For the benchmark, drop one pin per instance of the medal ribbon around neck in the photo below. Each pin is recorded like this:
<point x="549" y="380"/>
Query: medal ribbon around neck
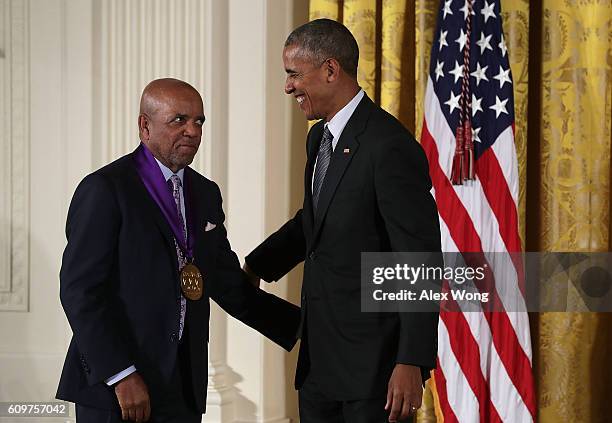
<point x="192" y="283"/>
<point x="155" y="183"/>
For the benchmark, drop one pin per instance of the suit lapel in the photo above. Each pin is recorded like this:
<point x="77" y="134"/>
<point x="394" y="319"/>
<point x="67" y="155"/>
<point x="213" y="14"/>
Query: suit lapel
<point x="343" y="153"/>
<point x="197" y="203"/>
<point x="195" y="207"/>
<point x="152" y="208"/>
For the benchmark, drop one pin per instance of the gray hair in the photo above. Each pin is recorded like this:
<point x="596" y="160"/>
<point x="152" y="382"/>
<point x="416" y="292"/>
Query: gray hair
<point x="323" y="39"/>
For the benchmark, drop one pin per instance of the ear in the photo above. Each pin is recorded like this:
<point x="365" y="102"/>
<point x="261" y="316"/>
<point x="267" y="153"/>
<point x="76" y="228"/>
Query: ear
<point x="143" y="127"/>
<point x="332" y="67"/>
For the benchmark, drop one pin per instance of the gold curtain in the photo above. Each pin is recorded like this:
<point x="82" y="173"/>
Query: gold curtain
<point x="575" y="351"/>
<point x="561" y="57"/>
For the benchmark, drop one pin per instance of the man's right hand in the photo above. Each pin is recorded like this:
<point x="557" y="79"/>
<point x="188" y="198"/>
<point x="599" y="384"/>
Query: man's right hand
<point x="133" y="397"/>
<point x="251" y="276"/>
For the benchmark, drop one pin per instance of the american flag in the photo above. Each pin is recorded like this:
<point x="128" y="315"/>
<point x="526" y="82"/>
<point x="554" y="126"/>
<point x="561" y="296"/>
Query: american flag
<point x="484" y="358"/>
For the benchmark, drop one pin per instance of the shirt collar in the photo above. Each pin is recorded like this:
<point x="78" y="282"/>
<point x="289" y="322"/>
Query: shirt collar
<point x="338" y="122"/>
<point x="168" y="173"/>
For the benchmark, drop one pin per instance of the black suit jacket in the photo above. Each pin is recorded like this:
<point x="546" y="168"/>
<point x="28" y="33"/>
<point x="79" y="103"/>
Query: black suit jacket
<point x="119" y="286"/>
<point x="375" y="197"/>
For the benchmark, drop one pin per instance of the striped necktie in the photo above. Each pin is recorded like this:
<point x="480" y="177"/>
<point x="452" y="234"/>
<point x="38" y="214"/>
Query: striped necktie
<point x="323" y="159"/>
<point x="175" y="185"/>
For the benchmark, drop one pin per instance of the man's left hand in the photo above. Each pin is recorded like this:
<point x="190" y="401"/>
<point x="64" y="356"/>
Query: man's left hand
<point x="405" y="392"/>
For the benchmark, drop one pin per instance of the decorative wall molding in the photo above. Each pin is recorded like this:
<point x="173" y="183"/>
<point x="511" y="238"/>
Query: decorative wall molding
<point x="221" y="394"/>
<point x="14" y="140"/>
<point x="136" y="41"/>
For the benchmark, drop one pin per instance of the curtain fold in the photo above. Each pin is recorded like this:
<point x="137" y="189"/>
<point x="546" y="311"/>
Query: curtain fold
<point x="397" y="73"/>
<point x="561" y="59"/>
<point x="515" y="15"/>
<point x="325" y="9"/>
<point x="574" y="381"/>
<point x="426" y="12"/>
<point x="360" y="18"/>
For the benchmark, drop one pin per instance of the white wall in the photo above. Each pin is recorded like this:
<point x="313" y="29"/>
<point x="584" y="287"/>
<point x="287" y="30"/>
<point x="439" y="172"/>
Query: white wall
<point x="74" y="70"/>
<point x="57" y="119"/>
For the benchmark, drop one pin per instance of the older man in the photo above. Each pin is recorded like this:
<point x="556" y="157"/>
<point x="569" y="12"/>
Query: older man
<point x="366" y="189"/>
<point x="146" y="251"/>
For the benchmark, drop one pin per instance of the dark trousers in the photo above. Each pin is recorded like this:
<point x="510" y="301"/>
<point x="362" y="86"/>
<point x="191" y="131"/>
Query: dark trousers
<point x="317" y="408"/>
<point x="173" y="403"/>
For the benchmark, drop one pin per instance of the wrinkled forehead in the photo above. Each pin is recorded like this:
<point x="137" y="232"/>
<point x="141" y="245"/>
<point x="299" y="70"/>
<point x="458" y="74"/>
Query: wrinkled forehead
<point x="183" y="101"/>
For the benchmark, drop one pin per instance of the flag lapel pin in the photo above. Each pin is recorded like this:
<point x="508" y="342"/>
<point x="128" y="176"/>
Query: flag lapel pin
<point x="347" y="150"/>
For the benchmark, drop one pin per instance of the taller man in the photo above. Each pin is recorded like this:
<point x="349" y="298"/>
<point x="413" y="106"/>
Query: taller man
<point x="146" y="251"/>
<point x="366" y="189"/>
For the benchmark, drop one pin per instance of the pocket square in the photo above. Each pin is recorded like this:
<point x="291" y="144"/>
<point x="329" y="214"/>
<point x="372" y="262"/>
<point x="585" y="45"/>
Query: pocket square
<point x="209" y="226"/>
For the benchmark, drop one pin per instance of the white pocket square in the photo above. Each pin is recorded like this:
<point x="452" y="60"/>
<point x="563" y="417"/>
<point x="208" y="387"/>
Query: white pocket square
<point x="209" y="226"/>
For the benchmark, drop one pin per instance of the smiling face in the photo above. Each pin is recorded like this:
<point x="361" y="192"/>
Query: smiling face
<point x="170" y="124"/>
<point x="307" y="82"/>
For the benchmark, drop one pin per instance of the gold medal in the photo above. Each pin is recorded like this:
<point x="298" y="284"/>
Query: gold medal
<point x="192" y="283"/>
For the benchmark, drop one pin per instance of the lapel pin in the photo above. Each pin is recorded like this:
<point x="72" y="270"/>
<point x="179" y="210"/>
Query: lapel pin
<point x="347" y="150"/>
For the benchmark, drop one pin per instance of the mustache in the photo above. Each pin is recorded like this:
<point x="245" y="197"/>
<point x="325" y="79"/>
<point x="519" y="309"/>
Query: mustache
<point x="187" y="144"/>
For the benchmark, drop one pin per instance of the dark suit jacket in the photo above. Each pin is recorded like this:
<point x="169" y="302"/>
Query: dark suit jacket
<point x="375" y="197"/>
<point x="119" y="286"/>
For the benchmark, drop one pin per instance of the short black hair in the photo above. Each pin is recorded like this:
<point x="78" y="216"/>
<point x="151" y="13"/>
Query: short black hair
<point x="322" y="39"/>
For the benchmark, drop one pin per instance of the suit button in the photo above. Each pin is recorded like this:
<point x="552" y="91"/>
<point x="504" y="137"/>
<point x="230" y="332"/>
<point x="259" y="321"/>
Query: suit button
<point x="173" y="337"/>
<point x="312" y="255"/>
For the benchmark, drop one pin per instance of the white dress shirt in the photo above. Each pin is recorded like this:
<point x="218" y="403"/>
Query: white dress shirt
<point x="338" y="122"/>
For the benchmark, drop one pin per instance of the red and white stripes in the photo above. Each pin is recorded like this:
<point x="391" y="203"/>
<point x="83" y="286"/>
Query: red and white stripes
<point x="484" y="358"/>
